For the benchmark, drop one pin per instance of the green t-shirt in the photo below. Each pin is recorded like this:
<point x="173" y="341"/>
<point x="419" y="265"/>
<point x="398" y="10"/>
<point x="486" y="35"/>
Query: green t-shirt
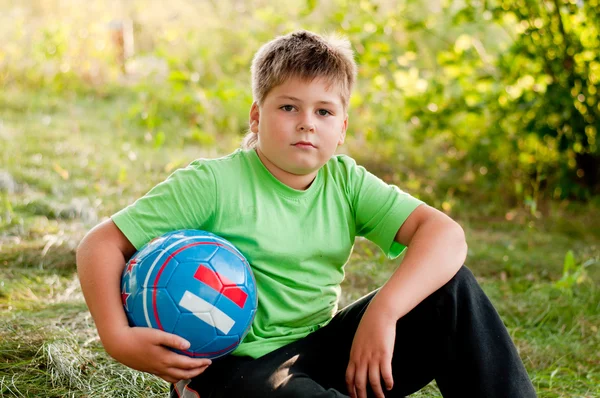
<point x="296" y="242"/>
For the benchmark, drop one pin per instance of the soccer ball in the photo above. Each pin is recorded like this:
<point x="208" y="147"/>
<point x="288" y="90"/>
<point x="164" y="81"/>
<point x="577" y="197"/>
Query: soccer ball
<point x="193" y="284"/>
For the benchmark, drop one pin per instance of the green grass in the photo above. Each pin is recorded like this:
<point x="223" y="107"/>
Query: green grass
<point x="68" y="162"/>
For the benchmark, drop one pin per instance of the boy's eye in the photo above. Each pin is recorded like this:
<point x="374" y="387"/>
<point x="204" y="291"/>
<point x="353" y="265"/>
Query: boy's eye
<point x="289" y="108"/>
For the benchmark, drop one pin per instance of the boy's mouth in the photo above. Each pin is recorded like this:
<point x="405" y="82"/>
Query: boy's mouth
<point x="304" y="144"/>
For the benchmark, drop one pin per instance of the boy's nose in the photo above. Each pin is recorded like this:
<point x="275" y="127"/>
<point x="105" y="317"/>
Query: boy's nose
<point x="305" y="122"/>
<point x="306" y="126"/>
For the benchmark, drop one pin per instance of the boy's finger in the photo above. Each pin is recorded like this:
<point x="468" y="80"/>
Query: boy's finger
<point x="350" y="380"/>
<point x="183" y="362"/>
<point x="360" y="381"/>
<point x="386" y="374"/>
<point x="375" y="381"/>
<point x="172" y="340"/>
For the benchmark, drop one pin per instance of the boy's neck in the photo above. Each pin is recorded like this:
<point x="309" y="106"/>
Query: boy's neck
<point x="295" y="181"/>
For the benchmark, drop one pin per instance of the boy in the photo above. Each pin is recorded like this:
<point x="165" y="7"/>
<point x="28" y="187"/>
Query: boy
<point x="294" y="208"/>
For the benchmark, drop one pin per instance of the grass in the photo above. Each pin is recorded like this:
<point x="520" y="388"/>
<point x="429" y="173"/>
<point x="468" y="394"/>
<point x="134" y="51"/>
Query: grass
<point x="68" y="162"/>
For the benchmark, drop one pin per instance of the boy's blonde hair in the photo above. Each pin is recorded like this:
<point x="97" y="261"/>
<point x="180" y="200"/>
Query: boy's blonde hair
<point x="305" y="55"/>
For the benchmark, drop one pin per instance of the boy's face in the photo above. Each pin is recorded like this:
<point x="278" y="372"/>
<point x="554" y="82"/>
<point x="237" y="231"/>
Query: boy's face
<point x="299" y="126"/>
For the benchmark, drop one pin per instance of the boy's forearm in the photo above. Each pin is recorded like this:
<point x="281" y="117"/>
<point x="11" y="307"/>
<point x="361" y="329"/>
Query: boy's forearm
<point x="435" y="254"/>
<point x="99" y="266"/>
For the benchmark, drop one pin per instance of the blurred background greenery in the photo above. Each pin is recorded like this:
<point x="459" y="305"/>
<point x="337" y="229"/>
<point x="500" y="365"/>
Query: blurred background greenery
<point x="486" y="109"/>
<point x="494" y="97"/>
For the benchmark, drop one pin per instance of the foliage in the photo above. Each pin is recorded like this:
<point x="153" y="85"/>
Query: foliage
<point x="551" y="74"/>
<point x="468" y="96"/>
<point x="573" y="275"/>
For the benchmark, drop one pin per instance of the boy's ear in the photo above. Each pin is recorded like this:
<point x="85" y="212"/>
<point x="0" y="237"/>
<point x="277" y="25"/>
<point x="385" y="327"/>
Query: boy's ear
<point x="254" y="117"/>
<point x="343" y="133"/>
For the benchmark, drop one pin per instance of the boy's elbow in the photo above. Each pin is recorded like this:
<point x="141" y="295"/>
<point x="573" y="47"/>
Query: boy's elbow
<point x="460" y="239"/>
<point x="453" y="230"/>
<point x="460" y="233"/>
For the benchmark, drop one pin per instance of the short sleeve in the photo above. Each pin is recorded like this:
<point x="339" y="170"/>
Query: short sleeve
<point x="185" y="200"/>
<point x="380" y="209"/>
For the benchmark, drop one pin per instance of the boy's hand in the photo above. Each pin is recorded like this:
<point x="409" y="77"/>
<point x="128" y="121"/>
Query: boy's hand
<point x="371" y="354"/>
<point x="145" y="349"/>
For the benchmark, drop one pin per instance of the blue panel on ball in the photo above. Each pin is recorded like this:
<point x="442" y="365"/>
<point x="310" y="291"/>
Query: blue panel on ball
<point x="150" y="247"/>
<point x="197" y="250"/>
<point x="228" y="264"/>
<point x="136" y="309"/>
<point x="189" y="239"/>
<point x="196" y="328"/>
<point x="162" y="271"/>
<point x="220" y="346"/>
<point x="162" y="309"/>
<point x="145" y="270"/>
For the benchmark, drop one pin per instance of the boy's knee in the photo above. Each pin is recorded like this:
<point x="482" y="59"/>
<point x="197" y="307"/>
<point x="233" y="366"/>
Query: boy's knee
<point x="463" y="276"/>
<point x="462" y="282"/>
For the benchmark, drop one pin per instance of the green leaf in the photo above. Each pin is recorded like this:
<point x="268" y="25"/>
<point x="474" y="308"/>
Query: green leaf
<point x="569" y="263"/>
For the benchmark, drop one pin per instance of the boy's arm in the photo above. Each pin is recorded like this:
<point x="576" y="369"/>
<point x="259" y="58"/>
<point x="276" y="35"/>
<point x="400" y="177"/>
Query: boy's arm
<point x="101" y="257"/>
<point x="436" y="249"/>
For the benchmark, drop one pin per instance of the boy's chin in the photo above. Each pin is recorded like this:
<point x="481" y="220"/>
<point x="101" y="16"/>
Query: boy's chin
<point x="303" y="170"/>
<point x="300" y="172"/>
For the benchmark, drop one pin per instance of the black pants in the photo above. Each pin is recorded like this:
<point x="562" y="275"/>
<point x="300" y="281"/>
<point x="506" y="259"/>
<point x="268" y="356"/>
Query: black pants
<point x="454" y="336"/>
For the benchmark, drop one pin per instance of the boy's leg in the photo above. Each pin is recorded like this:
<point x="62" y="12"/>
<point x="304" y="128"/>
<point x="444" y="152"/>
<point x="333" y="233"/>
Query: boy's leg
<point x="281" y="373"/>
<point x="454" y="336"/>
<point x="479" y="357"/>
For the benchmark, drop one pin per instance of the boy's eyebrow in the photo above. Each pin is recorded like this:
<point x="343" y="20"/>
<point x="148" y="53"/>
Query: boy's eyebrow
<point x="299" y="100"/>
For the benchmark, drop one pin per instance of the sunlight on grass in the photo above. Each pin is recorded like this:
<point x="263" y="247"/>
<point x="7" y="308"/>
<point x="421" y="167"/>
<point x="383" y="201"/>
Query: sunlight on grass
<point x="55" y="364"/>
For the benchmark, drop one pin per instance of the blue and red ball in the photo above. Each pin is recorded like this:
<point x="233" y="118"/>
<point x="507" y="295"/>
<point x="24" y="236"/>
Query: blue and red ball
<point x="194" y="284"/>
